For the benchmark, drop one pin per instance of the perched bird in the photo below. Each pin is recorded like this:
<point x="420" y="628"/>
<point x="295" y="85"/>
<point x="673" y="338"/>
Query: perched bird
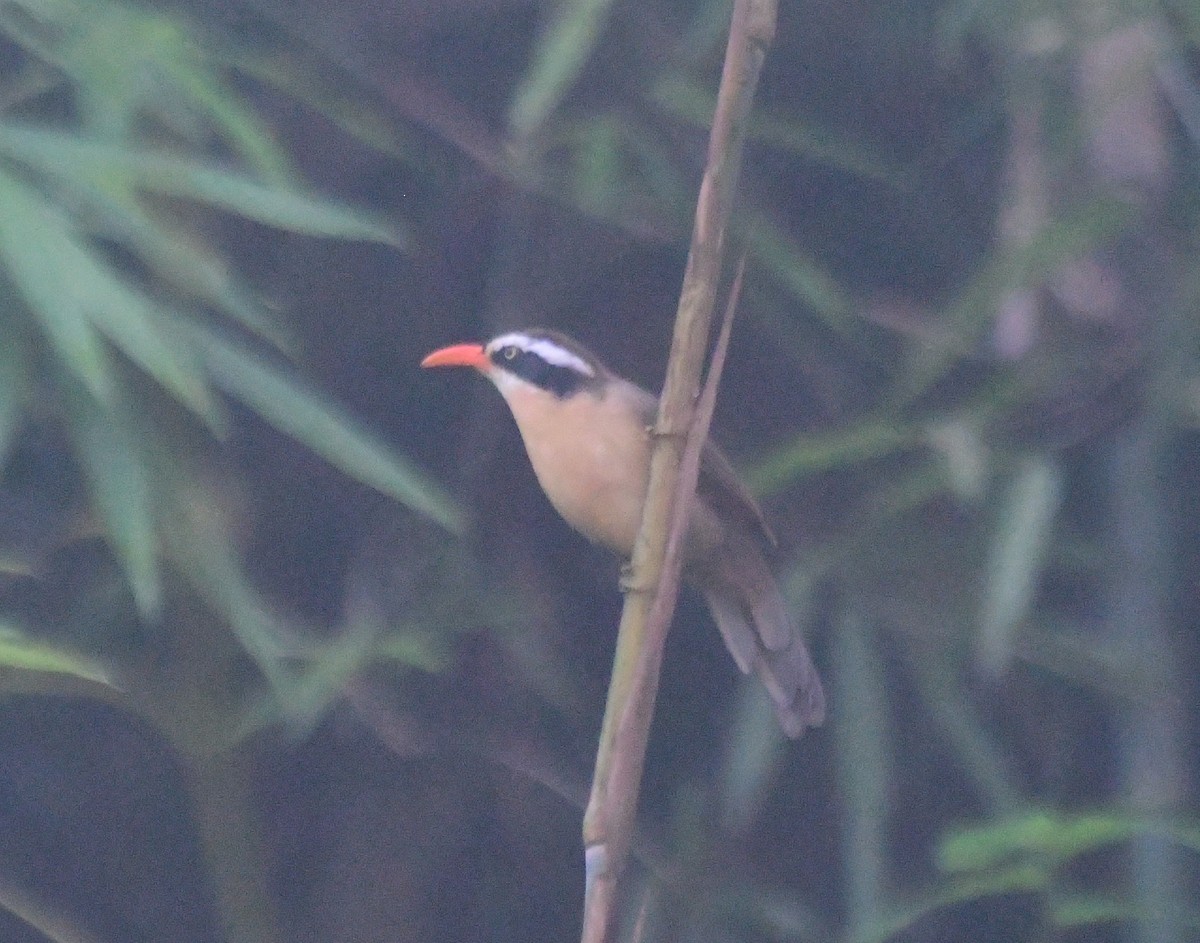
<point x="587" y="432"/>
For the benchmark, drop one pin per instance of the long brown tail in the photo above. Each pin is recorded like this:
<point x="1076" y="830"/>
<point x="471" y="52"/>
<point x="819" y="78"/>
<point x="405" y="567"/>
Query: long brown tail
<point x="749" y="610"/>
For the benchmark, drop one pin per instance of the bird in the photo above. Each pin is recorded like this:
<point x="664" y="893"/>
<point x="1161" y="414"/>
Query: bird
<point x="587" y="432"/>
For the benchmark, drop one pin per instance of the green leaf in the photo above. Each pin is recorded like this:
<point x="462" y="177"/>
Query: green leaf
<point x="1019" y="545"/>
<point x="1025" y="878"/>
<point x="205" y="556"/>
<point x="16" y="380"/>
<point x="561" y="52"/>
<point x="1084" y="910"/>
<point x="288" y="209"/>
<point x="960" y="442"/>
<point x="685" y="100"/>
<point x="31" y="235"/>
<point x="75" y="294"/>
<point x="951" y="708"/>
<point x="1087" y="910"/>
<point x="78" y="158"/>
<point x="136" y="325"/>
<point x="810" y="454"/>
<point x="411" y="649"/>
<point x="196" y="270"/>
<point x="609" y="169"/>
<point x="1045" y="833"/>
<point x="865" y="764"/>
<point x="136" y="57"/>
<point x="1077" y="232"/>
<point x="307" y="693"/>
<point x="201" y="87"/>
<point x="350" y="100"/>
<point x="801" y="276"/>
<point x="329" y="666"/>
<point x="309" y="418"/>
<point x="20" y="652"/>
<point x="176" y="256"/>
<point x="755" y="751"/>
<point x="120" y="487"/>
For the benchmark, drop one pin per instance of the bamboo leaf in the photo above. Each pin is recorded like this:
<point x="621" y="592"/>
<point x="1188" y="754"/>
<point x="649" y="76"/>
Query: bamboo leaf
<point x="195" y="269"/>
<point x="811" y="454"/>
<point x="328" y="667"/>
<point x="15" y="378"/>
<point x="78" y="158"/>
<point x="1044" y="833"/>
<point x="412" y="649"/>
<point x="959" y="441"/>
<point x="685" y="100"/>
<point x="76" y="295"/>
<point x="1025" y="878"/>
<point x="19" y="651"/>
<point x="31" y="235"/>
<point x="1022" y="266"/>
<point x="351" y="101"/>
<point x="204" y="554"/>
<point x="120" y="487"/>
<point x="306" y="694"/>
<point x="560" y="54"/>
<point x="308" y="417"/>
<point x="177" y="257"/>
<point x="755" y="751"/>
<point x="1019" y="546"/>
<point x="128" y="318"/>
<point x="1084" y="910"/>
<point x="201" y="87"/>
<point x="801" y="276"/>
<point x="114" y="46"/>
<point x="956" y="717"/>
<point x="865" y="766"/>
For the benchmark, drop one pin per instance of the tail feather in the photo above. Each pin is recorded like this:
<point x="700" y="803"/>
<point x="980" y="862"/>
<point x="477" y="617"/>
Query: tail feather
<point x="749" y="610"/>
<point x="788" y="673"/>
<point x="739" y="637"/>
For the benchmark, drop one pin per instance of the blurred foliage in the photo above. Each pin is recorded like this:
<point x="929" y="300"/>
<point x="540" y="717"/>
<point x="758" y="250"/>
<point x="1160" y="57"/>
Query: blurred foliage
<point x="103" y="272"/>
<point x="126" y="326"/>
<point x="966" y="375"/>
<point x="23" y="654"/>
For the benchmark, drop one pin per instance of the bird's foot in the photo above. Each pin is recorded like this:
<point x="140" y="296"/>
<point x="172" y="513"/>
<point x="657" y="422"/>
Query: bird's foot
<point x="658" y="432"/>
<point x="626" y="581"/>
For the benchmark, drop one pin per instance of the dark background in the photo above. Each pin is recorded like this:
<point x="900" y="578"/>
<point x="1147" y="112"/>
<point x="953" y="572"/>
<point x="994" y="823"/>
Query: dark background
<point x="963" y="382"/>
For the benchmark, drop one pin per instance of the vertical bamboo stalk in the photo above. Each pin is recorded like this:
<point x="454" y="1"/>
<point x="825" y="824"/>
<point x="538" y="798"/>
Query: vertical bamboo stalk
<point x="655" y="565"/>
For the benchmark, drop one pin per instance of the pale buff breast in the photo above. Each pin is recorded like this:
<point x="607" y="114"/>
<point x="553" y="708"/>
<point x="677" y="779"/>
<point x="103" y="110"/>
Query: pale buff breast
<point x="590" y="458"/>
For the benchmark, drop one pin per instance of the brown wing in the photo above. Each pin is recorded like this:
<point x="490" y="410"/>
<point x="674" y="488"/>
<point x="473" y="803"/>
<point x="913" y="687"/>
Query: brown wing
<point x="723" y="490"/>
<point x="743" y="597"/>
<point x="719" y="485"/>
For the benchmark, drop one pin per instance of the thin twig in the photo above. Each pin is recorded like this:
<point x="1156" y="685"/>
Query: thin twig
<point x="654" y="573"/>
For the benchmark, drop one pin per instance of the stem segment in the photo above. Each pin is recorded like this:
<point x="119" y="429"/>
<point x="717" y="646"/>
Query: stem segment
<point x="680" y="431"/>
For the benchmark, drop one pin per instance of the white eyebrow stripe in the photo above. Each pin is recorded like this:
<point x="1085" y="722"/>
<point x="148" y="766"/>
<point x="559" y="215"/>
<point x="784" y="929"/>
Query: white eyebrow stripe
<point x="549" y="351"/>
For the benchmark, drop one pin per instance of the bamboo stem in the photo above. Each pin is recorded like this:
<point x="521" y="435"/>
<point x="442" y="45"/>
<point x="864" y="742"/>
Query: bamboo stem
<point x="679" y="433"/>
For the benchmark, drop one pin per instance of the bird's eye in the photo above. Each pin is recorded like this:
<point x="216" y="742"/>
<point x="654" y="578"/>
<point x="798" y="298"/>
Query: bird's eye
<point x="509" y="353"/>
